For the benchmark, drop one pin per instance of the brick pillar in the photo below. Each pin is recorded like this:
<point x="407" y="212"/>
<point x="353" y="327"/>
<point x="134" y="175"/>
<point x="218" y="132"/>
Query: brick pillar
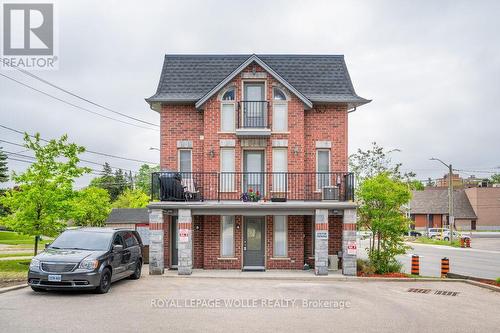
<point x="185" y="254"/>
<point x="321" y="242"/>
<point x="349" y="238"/>
<point x="156" y="257"/>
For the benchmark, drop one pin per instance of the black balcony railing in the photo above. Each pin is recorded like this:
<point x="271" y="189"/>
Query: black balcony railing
<point x="271" y="186"/>
<point x="252" y="114"/>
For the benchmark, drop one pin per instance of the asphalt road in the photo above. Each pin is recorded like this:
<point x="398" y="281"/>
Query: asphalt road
<point x="481" y="260"/>
<point x="147" y="305"/>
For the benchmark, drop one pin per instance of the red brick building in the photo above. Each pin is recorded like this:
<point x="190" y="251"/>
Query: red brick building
<point x="254" y="164"/>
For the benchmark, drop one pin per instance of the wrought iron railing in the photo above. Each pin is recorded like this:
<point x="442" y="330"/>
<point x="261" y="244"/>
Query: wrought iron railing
<point x="253" y="114"/>
<point x="269" y="186"/>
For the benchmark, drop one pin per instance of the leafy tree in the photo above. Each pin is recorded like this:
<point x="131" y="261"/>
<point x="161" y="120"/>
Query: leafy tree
<point x="41" y="202"/>
<point x="143" y="177"/>
<point x="381" y="211"/>
<point x="376" y="160"/>
<point x="90" y="207"/>
<point x="132" y="199"/>
<point x="4" y="170"/>
<point x="430" y="182"/>
<point x="495" y="179"/>
<point x="120" y="184"/>
<point x="416" y="185"/>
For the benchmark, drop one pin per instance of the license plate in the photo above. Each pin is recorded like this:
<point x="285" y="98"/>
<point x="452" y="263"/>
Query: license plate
<point x="55" y="278"/>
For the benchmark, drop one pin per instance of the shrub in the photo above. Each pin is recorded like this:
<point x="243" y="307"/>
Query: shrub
<point x="498" y="280"/>
<point x="384" y="262"/>
<point x="364" y="266"/>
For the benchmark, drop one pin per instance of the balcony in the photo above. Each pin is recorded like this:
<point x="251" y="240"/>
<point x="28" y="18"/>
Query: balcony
<point x="271" y="186"/>
<point x="253" y="119"/>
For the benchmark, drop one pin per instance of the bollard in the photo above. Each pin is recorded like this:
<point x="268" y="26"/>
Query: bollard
<point x="415" y="265"/>
<point x="467" y="242"/>
<point x="445" y="267"/>
<point x="462" y="242"/>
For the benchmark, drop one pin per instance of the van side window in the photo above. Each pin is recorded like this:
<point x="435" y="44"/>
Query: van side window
<point x="118" y="240"/>
<point x="130" y="239"/>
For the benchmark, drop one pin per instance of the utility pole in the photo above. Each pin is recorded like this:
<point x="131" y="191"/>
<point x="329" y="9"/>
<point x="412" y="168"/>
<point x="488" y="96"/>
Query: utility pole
<point x="451" y="217"/>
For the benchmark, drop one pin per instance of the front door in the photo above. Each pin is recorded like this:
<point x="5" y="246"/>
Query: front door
<point x="253" y="168"/>
<point x="174" y="241"/>
<point x="253" y="244"/>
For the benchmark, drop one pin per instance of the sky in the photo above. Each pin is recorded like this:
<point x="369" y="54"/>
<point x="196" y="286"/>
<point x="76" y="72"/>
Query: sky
<point x="432" y="69"/>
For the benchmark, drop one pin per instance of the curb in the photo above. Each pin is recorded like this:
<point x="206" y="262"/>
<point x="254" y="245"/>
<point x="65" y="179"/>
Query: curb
<point x="335" y="279"/>
<point x="11" y="288"/>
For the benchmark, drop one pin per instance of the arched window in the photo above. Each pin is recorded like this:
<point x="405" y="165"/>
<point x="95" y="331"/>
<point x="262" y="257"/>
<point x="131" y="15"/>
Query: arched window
<point x="279" y="95"/>
<point x="228" y="95"/>
<point x="227" y="110"/>
<point x="280" y="111"/>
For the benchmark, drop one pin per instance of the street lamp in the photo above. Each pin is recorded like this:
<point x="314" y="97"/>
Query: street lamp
<point x="154" y="148"/>
<point x="451" y="218"/>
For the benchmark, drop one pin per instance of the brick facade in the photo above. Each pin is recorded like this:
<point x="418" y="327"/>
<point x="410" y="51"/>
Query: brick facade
<point x="327" y="123"/>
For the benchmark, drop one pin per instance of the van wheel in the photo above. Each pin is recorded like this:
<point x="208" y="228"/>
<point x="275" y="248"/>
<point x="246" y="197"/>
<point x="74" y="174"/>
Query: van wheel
<point x="137" y="271"/>
<point x="38" y="290"/>
<point x="105" y="282"/>
<point x="446" y="239"/>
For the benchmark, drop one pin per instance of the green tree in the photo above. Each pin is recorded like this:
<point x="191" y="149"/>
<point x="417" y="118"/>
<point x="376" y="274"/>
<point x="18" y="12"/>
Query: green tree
<point x="381" y="201"/>
<point x="4" y="170"/>
<point x="143" y="177"/>
<point x="90" y="207"/>
<point x="132" y="199"/>
<point x="369" y="163"/>
<point x="40" y="204"/>
<point x="495" y="179"/>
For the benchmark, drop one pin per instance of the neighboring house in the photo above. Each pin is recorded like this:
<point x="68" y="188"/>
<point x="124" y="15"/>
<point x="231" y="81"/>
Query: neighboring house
<point x="486" y="204"/>
<point x="235" y="125"/>
<point x="429" y="209"/>
<point x="133" y="218"/>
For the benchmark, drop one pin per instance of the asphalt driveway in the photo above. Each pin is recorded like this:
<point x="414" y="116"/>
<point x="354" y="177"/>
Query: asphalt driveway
<point x="159" y="303"/>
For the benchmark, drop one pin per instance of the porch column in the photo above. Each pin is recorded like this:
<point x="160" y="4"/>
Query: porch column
<point x="185" y="245"/>
<point x="349" y="245"/>
<point x="156" y="257"/>
<point x="321" y="242"/>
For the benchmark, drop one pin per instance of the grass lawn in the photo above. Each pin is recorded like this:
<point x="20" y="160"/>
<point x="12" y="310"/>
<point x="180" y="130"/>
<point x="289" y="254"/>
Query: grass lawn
<point x="13" y="271"/>
<point x="20" y="254"/>
<point x="13" y="238"/>
<point x="426" y="240"/>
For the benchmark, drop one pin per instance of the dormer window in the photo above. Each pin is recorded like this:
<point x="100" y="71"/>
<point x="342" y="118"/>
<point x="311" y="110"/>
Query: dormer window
<point x="280" y="111"/>
<point x="228" y="95"/>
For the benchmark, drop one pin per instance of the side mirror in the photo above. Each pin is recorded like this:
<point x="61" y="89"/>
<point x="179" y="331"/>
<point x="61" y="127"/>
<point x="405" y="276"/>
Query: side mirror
<point x="117" y="248"/>
<point x="47" y="245"/>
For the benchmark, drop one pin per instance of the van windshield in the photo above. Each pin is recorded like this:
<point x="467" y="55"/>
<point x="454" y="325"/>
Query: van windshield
<point x="82" y="240"/>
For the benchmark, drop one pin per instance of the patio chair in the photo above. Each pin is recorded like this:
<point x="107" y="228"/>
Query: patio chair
<point x="191" y="191"/>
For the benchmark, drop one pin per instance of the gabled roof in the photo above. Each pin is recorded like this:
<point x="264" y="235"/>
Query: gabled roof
<point x="312" y="78"/>
<point x="128" y="215"/>
<point x="435" y="201"/>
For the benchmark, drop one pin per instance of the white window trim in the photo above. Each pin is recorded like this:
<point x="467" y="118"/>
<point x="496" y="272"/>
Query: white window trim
<point x="232" y="255"/>
<point x="179" y="158"/>
<point x="233" y="103"/>
<point x="234" y="167"/>
<point x="286" y="237"/>
<point x="285" y="150"/>
<point x="317" y="165"/>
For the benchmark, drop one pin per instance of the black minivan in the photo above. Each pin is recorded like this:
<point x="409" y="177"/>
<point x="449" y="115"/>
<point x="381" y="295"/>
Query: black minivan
<point x="88" y="258"/>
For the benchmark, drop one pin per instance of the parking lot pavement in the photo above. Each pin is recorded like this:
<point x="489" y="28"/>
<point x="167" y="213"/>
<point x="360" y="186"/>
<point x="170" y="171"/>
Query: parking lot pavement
<point x="158" y="303"/>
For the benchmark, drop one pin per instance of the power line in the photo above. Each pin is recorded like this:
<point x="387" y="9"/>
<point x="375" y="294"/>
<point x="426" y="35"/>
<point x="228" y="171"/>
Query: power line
<point x="86" y="151"/>
<point x="93" y="171"/>
<point x="81" y="98"/>
<point x="76" y="106"/>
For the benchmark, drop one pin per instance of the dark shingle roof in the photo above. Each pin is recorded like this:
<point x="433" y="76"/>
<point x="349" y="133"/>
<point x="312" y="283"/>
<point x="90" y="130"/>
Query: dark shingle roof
<point x="128" y="215"/>
<point x="435" y="201"/>
<point x="321" y="78"/>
